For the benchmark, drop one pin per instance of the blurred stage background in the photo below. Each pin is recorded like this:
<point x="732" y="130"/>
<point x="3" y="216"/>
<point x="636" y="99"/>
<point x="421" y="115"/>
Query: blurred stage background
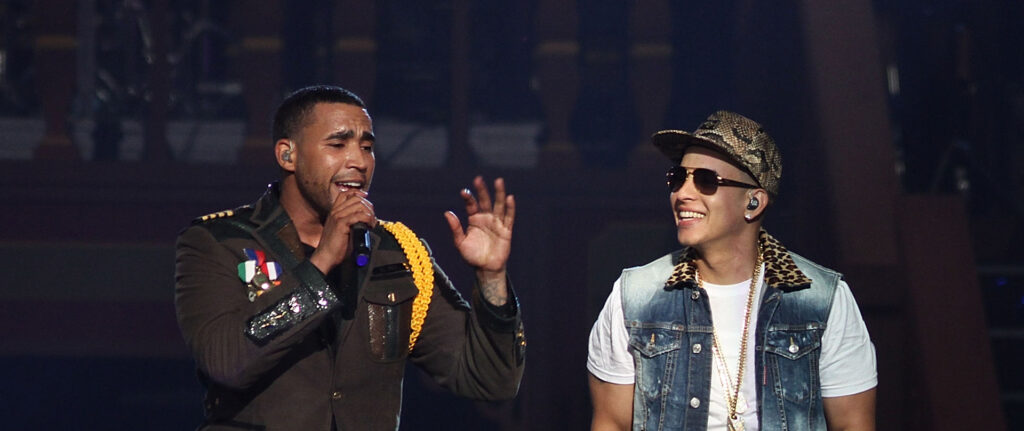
<point x="901" y="123"/>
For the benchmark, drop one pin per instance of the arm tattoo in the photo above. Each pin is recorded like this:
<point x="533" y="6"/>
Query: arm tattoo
<point x="494" y="292"/>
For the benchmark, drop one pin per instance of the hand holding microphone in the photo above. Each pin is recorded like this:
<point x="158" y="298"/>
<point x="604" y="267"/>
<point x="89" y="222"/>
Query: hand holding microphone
<point x="351" y="215"/>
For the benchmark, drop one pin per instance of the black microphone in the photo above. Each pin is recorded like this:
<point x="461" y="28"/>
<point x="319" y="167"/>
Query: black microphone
<point x="361" y="243"/>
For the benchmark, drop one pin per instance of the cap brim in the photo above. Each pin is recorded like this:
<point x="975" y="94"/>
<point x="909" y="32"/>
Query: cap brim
<point x="673" y="143"/>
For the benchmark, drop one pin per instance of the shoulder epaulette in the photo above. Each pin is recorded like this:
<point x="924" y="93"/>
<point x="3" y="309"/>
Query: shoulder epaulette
<point x="216" y="215"/>
<point x="221" y="214"/>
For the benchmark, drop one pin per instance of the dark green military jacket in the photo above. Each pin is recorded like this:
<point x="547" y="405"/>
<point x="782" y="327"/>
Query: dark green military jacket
<point x="295" y="349"/>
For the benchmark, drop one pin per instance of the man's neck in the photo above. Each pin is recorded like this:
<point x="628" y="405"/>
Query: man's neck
<point x="728" y="263"/>
<point x="306" y="219"/>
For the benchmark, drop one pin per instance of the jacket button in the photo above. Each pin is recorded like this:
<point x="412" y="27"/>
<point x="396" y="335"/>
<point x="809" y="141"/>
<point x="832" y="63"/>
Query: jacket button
<point x="696" y="348"/>
<point x="695" y="295"/>
<point x="336" y="395"/>
<point x="694" y="402"/>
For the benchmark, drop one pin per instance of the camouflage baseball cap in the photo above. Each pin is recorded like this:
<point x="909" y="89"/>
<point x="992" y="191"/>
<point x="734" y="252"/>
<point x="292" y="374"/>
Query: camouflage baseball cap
<point x="740" y="138"/>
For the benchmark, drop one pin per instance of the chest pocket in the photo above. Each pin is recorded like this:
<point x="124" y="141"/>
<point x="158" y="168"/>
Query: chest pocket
<point x="653" y="340"/>
<point x="793" y="344"/>
<point x="793" y="358"/>
<point x="655" y="347"/>
<point x="389" y="311"/>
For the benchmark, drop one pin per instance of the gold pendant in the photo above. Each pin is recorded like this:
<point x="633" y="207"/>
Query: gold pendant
<point x="736" y="423"/>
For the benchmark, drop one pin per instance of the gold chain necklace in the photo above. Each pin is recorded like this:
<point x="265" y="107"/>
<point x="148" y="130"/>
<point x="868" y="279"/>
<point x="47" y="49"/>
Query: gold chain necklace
<point x="732" y="394"/>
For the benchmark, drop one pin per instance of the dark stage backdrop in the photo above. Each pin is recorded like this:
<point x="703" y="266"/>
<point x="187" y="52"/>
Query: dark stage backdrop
<point x="900" y="123"/>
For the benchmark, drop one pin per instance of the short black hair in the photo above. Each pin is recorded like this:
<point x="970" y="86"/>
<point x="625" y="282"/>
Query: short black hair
<point x="292" y="113"/>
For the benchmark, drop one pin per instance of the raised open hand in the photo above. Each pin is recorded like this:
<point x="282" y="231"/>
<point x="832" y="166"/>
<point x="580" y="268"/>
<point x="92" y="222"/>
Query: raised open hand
<point x="487" y="240"/>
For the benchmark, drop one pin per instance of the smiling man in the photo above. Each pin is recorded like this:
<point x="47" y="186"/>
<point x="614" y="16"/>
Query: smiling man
<point x="732" y="332"/>
<point x="302" y="309"/>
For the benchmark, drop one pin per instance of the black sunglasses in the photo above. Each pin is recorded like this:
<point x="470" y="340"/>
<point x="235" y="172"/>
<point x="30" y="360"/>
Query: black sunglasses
<point x="706" y="180"/>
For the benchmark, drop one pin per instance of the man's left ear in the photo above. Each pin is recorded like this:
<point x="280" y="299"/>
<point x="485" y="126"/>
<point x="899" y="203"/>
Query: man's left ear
<point x="757" y="201"/>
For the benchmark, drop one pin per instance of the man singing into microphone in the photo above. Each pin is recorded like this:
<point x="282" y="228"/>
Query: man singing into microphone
<point x="296" y="322"/>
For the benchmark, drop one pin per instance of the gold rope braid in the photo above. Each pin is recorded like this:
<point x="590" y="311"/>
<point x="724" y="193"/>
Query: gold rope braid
<point x="422" y="274"/>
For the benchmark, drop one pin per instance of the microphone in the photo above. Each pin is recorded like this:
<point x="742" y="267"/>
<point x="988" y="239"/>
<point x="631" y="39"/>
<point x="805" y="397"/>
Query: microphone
<point x="361" y="243"/>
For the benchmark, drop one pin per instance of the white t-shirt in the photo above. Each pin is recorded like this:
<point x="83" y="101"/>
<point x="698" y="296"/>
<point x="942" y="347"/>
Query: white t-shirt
<point x="847" y="362"/>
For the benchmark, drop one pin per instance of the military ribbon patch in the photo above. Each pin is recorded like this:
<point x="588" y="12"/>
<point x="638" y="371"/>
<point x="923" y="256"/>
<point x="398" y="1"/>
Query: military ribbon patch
<point x="259" y="274"/>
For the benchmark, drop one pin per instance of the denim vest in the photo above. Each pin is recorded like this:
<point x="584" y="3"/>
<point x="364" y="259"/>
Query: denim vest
<point x="670" y="339"/>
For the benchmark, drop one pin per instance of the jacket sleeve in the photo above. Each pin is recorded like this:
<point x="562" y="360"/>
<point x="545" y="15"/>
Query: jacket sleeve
<point x="476" y="352"/>
<point x="235" y="341"/>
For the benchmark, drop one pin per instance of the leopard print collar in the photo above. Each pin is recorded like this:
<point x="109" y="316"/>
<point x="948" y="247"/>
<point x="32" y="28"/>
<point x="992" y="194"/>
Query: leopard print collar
<point x="779" y="271"/>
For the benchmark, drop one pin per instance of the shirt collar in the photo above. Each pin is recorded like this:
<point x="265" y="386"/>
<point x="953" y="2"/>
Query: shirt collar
<point x="780" y="271"/>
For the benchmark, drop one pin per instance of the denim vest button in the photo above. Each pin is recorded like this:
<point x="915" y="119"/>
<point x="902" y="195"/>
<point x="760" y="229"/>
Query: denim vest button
<point x="694" y="402"/>
<point x="696" y="348"/>
<point x="695" y="295"/>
